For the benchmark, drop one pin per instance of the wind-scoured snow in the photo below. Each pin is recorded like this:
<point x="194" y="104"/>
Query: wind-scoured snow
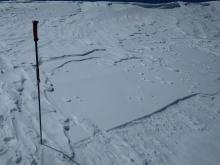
<point x="121" y="83"/>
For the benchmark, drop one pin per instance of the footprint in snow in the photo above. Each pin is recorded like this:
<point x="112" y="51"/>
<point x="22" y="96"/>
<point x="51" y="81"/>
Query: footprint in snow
<point x="140" y="99"/>
<point x="8" y="139"/>
<point x="145" y="162"/>
<point x="78" y="98"/>
<point x="1" y="121"/>
<point x="3" y="149"/>
<point x="49" y="88"/>
<point x="66" y="125"/>
<point x="68" y="100"/>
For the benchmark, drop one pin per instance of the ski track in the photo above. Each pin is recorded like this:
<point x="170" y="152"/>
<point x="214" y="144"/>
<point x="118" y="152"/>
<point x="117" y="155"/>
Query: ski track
<point x="146" y="140"/>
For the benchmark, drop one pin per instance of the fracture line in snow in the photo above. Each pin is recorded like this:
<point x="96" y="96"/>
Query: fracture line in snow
<point x="80" y="60"/>
<point x="49" y="59"/>
<point x="84" y="59"/>
<point x="136" y="121"/>
<point x="125" y="59"/>
<point x="153" y="113"/>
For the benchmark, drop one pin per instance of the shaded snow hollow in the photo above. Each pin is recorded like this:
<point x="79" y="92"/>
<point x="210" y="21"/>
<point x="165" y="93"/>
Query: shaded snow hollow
<point x="121" y="83"/>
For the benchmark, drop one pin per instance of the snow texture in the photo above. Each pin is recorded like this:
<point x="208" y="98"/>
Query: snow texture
<point x="121" y="83"/>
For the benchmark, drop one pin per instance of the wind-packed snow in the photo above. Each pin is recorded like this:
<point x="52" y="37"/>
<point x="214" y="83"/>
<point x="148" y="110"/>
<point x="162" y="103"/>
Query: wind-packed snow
<point x="121" y="83"/>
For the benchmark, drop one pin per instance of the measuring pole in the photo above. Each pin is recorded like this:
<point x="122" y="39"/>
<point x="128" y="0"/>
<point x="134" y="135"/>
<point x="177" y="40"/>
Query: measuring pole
<point x="35" y="34"/>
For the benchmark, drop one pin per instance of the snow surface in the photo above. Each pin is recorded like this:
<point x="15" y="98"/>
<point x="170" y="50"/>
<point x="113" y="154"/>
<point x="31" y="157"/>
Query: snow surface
<point x="121" y="83"/>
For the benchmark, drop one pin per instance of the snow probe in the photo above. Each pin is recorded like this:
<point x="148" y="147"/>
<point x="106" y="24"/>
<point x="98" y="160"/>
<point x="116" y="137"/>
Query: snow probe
<point x="37" y="74"/>
<point x="35" y="35"/>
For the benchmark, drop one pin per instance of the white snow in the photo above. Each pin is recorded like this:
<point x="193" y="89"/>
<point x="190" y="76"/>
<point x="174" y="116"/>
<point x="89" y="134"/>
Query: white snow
<point x="121" y="83"/>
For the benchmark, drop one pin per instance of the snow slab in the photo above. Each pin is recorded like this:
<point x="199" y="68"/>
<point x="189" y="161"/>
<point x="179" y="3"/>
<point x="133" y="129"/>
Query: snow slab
<point x="121" y="83"/>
